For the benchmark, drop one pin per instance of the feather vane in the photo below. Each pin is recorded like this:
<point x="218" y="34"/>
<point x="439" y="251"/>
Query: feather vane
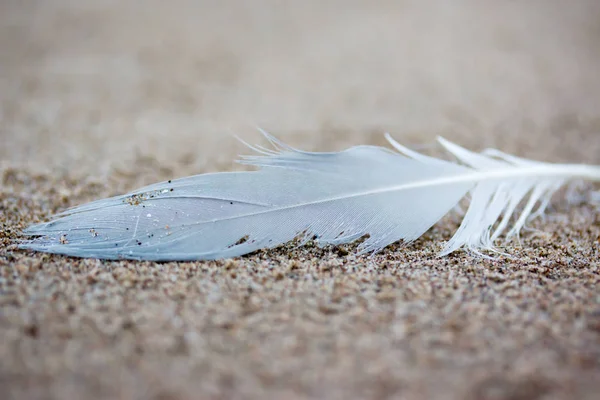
<point x="335" y="198"/>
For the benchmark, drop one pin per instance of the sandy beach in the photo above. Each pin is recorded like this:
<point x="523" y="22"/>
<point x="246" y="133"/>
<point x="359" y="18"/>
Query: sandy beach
<point x="101" y="97"/>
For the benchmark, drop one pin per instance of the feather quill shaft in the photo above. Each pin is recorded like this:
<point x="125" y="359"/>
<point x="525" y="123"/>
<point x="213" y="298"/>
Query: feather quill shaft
<point x="334" y="197"/>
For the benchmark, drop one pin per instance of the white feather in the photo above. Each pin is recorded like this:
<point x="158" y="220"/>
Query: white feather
<point x="334" y="197"/>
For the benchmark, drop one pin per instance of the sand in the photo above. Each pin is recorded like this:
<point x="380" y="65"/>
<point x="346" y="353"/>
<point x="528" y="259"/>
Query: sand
<point x="100" y="97"/>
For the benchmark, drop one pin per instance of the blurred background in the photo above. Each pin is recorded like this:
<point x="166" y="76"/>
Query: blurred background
<point x="86" y="86"/>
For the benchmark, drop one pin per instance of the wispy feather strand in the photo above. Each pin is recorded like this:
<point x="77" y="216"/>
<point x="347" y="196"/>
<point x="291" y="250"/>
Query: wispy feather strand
<point x="335" y="198"/>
